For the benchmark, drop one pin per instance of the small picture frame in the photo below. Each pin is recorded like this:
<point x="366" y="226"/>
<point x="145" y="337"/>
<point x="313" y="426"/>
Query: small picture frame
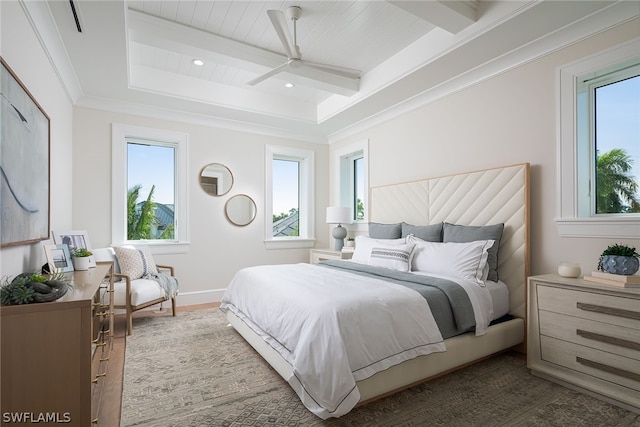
<point x="74" y="239"/>
<point x="58" y="258"/>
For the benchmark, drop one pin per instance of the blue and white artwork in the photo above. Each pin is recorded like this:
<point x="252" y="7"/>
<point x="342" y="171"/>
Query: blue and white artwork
<point x="24" y="164"/>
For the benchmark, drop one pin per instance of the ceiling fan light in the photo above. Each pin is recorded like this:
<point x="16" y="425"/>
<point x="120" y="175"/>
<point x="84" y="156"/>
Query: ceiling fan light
<point x="198" y="62"/>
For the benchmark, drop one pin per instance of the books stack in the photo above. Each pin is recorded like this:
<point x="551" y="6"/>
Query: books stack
<point x="614" y="279"/>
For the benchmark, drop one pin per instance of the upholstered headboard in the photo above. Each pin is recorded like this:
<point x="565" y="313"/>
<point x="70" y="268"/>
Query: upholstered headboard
<point x="482" y="197"/>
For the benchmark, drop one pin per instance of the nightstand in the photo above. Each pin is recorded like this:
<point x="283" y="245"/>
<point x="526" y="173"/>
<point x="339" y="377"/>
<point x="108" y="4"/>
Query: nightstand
<point x="317" y="255"/>
<point x="586" y="336"/>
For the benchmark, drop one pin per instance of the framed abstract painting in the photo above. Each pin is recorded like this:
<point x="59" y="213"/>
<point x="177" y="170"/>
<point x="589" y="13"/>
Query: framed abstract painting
<point x="24" y="164"/>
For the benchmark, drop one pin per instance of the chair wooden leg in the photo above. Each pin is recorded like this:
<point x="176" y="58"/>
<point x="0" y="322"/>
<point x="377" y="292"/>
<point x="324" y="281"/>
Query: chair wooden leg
<point x="173" y="306"/>
<point x="129" y="322"/>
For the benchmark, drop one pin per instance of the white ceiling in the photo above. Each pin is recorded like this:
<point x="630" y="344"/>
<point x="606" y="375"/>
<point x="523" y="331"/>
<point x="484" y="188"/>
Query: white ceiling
<point x="137" y="55"/>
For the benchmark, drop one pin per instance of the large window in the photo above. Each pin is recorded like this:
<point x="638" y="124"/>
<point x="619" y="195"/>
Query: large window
<point x="149" y="191"/>
<point x="599" y="173"/>
<point x="289" y="197"/>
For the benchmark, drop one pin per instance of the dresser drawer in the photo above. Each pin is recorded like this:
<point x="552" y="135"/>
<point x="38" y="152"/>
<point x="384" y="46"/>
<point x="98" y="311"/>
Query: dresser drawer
<point x="589" y="333"/>
<point x="600" y="364"/>
<point x="588" y="305"/>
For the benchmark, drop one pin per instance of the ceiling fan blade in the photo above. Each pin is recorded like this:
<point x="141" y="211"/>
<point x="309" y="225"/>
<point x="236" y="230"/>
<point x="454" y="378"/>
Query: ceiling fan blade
<point x="334" y="69"/>
<point x="280" y="25"/>
<point x="271" y="73"/>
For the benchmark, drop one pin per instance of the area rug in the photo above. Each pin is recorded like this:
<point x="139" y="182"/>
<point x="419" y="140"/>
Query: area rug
<point x="195" y="370"/>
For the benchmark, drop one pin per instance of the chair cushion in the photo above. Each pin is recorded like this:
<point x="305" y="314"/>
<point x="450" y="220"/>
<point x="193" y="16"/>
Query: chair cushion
<point x="142" y="291"/>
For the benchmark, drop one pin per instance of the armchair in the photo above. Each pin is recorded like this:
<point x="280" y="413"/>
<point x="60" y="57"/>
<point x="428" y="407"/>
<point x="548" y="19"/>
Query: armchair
<point x="132" y="292"/>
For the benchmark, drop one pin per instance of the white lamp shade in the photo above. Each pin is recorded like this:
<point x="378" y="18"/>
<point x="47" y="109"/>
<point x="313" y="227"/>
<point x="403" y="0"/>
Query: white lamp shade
<point x="338" y="215"/>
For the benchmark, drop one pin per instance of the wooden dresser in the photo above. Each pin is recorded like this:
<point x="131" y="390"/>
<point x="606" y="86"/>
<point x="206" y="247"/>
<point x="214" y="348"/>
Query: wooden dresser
<point x="55" y="355"/>
<point x="586" y="336"/>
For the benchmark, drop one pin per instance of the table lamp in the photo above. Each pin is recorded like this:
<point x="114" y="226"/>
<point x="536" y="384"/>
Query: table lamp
<point x="339" y="215"/>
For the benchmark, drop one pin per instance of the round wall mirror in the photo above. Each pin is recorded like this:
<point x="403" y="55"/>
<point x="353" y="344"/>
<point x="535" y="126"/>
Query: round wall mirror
<point x="216" y="179"/>
<point x="240" y="209"/>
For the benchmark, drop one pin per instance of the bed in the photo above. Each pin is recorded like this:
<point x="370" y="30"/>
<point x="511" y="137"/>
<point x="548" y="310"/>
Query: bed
<point x="463" y="205"/>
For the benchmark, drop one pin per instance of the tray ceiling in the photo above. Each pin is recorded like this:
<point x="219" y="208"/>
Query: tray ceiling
<point x="138" y="55"/>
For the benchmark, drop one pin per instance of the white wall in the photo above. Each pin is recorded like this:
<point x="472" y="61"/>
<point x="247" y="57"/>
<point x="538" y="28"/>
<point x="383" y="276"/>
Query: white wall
<point x="218" y="248"/>
<point x="510" y="118"/>
<point x="23" y="52"/>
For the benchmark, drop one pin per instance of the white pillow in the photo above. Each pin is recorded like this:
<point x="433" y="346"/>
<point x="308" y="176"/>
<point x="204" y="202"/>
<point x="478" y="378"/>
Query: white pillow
<point x="395" y="257"/>
<point x="466" y="260"/>
<point x="135" y="262"/>
<point x="364" y="244"/>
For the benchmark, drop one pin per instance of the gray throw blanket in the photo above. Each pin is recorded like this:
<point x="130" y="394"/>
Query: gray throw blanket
<point x="449" y="302"/>
<point x="166" y="282"/>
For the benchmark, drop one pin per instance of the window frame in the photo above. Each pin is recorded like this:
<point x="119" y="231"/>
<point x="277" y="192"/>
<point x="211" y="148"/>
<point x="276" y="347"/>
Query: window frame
<point x="574" y="147"/>
<point x="120" y="134"/>
<point x="306" y="238"/>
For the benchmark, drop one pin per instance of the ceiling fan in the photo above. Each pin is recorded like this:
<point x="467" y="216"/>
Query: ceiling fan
<point x="295" y="63"/>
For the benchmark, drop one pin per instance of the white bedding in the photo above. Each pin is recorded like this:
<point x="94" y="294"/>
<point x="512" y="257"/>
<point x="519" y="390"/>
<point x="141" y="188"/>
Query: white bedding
<point x="333" y="327"/>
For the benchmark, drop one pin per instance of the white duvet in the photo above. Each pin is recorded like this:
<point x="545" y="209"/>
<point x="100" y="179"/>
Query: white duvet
<point x="333" y="327"/>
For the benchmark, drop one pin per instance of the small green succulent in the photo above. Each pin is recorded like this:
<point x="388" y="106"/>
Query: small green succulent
<point x="17" y="291"/>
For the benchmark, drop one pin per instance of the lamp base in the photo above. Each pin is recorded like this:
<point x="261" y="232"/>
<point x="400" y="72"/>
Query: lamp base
<point x="339" y="233"/>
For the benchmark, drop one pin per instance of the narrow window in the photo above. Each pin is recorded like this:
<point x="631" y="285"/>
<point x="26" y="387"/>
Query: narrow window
<point x="150" y="190"/>
<point x="289" y="198"/>
<point x="616" y="121"/>
<point x="286" y="198"/>
<point x="353" y="184"/>
<point x="358" y="188"/>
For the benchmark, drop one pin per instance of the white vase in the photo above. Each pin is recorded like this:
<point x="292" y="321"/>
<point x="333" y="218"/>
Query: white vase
<point x="81" y="263"/>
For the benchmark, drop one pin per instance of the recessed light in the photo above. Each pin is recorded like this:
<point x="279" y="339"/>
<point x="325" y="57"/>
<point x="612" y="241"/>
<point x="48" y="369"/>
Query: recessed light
<point x="289" y="85"/>
<point x="199" y="62"/>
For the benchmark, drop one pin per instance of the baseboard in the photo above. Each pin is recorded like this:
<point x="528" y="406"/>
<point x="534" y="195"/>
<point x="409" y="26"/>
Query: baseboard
<point x="199" y="297"/>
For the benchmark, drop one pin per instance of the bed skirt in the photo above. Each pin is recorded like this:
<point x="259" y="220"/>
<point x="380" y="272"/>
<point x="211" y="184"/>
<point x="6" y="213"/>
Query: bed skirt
<point x="461" y="351"/>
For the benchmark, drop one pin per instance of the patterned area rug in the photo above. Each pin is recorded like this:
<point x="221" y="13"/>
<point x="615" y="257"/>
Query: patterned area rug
<point x="194" y="370"/>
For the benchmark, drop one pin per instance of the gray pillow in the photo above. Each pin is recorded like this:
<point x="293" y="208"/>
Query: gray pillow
<point x="469" y="233"/>
<point x="429" y="233"/>
<point x="385" y="231"/>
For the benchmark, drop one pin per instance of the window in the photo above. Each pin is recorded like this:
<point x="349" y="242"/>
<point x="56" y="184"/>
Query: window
<point x="615" y="141"/>
<point x="289" y="196"/>
<point x="149" y="188"/>
<point x="599" y="175"/>
<point x="353" y="185"/>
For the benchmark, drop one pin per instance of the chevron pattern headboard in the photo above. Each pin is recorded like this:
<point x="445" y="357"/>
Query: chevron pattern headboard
<point x="482" y="197"/>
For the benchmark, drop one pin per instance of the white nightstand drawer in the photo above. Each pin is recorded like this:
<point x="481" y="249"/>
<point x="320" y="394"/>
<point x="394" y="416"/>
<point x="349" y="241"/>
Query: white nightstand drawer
<point x="593" y="306"/>
<point x="589" y="333"/>
<point x="600" y="364"/>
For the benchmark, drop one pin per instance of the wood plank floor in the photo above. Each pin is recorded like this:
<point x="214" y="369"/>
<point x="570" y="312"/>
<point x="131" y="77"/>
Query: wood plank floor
<point x="111" y="403"/>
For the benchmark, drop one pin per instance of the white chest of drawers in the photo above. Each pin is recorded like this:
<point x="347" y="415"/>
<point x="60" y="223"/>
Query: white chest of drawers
<point x="586" y="336"/>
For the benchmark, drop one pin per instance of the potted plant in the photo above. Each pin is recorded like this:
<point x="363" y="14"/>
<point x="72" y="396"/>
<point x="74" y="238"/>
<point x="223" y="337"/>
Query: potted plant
<point x="350" y="242"/>
<point x="27" y="288"/>
<point x="619" y="259"/>
<point x="80" y="258"/>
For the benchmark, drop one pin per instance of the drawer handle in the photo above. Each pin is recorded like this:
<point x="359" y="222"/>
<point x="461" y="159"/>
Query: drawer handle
<point x="95" y="380"/>
<point x="609" y="310"/>
<point x="608" y="340"/>
<point x="612" y="370"/>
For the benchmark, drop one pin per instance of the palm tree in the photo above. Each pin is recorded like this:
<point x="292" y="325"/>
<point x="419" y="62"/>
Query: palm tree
<point x="139" y="222"/>
<point x="616" y="189"/>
